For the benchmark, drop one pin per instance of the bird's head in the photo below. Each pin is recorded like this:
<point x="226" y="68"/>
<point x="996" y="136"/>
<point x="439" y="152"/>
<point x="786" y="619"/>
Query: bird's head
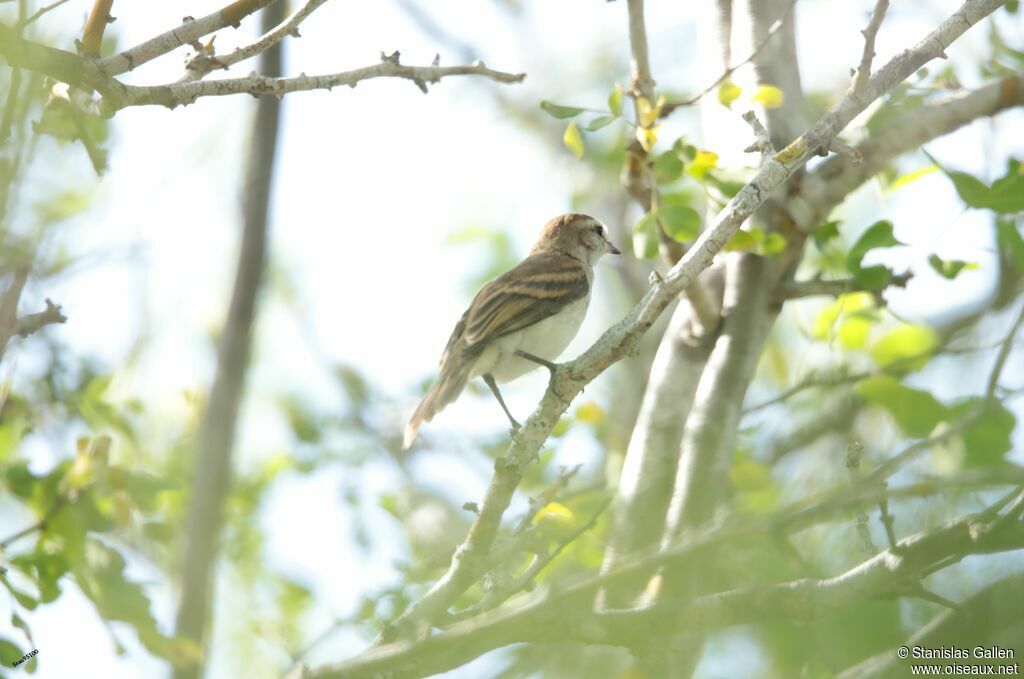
<point x="576" y="235"/>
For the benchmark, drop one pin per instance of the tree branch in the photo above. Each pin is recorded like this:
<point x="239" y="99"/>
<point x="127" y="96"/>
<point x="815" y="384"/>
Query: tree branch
<point x="202" y="63"/>
<point x="31" y="323"/>
<point x="190" y="31"/>
<point x="182" y="93"/>
<point x="1004" y="353"/>
<point x="622" y="339"/>
<point x="864" y="70"/>
<point x="562" y="615"/>
<point x="827" y="186"/>
<point x="95" y="25"/>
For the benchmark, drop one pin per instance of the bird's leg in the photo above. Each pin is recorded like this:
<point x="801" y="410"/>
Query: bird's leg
<point x="538" y="360"/>
<point x="489" y="381"/>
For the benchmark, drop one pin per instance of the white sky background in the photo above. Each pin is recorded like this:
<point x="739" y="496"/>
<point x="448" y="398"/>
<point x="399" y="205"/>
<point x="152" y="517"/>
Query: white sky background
<point x="369" y="184"/>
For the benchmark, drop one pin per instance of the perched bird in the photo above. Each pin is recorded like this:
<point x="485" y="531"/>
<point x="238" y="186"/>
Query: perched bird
<point x="522" y="319"/>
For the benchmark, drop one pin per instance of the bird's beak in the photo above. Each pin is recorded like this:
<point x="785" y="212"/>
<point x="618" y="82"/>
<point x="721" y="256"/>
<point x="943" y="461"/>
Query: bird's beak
<point x="611" y="249"/>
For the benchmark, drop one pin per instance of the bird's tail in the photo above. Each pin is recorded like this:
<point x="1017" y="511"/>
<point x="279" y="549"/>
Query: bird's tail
<point x="447" y="388"/>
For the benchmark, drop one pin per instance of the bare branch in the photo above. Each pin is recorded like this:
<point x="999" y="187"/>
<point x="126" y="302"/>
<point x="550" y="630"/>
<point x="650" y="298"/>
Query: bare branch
<point x="95" y="25"/>
<point x="622" y="339"/>
<point x="833" y="288"/>
<point x="9" y="307"/>
<point x="202" y="63"/>
<point x="864" y="70"/>
<point x="35" y="16"/>
<point x="1004" y="353"/>
<point x="190" y="31"/>
<point x="181" y="93"/>
<point x="26" y="325"/>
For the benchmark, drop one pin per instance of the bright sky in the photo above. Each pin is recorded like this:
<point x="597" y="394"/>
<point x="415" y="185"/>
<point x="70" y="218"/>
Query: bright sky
<point x="369" y="184"/>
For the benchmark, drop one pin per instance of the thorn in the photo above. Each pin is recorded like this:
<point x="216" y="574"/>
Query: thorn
<point x="295" y="32"/>
<point x="111" y="19"/>
<point x="479" y="63"/>
<point x="655" y="279"/>
<point x="187" y="18"/>
<point x="436" y="61"/>
<point x="471" y="507"/>
<point x="421" y="84"/>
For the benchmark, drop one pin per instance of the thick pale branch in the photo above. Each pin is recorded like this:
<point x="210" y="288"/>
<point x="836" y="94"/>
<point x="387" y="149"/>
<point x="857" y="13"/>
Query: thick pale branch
<point x="622" y="339"/>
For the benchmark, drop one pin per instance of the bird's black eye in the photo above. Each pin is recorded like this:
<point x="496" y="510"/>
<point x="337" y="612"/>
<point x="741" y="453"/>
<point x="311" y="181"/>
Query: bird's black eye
<point x="599" y="230"/>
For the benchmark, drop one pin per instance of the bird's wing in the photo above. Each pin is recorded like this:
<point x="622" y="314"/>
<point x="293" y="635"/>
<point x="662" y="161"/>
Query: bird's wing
<point x="539" y="287"/>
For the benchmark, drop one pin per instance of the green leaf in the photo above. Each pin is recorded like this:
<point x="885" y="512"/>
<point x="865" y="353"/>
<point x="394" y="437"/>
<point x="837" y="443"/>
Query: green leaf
<point x="615" y="100"/>
<point x="1011" y="245"/>
<point x="9" y="652"/>
<point x="47" y="569"/>
<point x="825" y="233"/>
<point x="849" y="318"/>
<point x="950" y="268"/>
<point x="915" y="411"/>
<point x="599" y="122"/>
<point x="25" y="599"/>
<point x="879" y="235"/>
<point x="908" y="347"/>
<point x="972" y="190"/>
<point x="773" y="244"/>
<point x="1005" y="196"/>
<point x="989" y="437"/>
<point x="645" y="237"/>
<point x="558" y="111"/>
<point x="680" y="222"/>
<point x="668" y="166"/>
<point x="573" y="140"/>
<point x="1007" y="193"/>
<point x="744" y="240"/>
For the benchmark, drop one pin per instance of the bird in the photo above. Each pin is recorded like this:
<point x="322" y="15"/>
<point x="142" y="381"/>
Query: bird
<point x="521" y="320"/>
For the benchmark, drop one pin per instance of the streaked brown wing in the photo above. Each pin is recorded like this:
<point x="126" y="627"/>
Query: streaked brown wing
<point x="540" y="286"/>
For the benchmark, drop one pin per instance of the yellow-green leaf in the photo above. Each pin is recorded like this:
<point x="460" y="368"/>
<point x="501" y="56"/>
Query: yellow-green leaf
<point x="703" y="162"/>
<point x="647" y="136"/>
<point x="590" y="412"/>
<point x="555" y="521"/>
<point x="559" y="111"/>
<point x="769" y="96"/>
<point x="573" y="140"/>
<point x="909" y="177"/>
<point x="907" y="347"/>
<point x="728" y="92"/>
<point x="615" y="100"/>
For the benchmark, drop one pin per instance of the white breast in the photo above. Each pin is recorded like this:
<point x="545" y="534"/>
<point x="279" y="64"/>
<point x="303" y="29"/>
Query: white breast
<point x="545" y="339"/>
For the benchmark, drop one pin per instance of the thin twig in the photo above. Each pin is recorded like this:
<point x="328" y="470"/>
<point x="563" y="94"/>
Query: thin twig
<point x="39" y="13"/>
<point x="673" y="105"/>
<point x="864" y="70"/>
<point x="854" y="453"/>
<point x="1003" y="355"/>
